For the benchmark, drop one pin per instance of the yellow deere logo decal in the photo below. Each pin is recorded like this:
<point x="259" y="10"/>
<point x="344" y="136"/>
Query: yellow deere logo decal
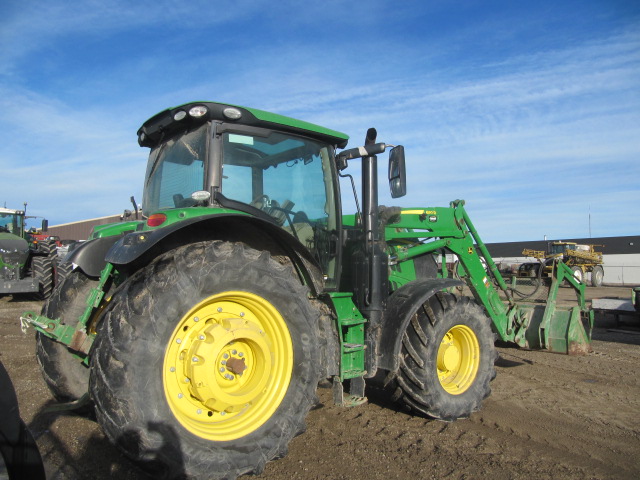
<point x="470" y="250"/>
<point x="419" y="212"/>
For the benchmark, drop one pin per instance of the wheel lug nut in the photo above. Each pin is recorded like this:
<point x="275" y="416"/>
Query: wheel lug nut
<point x="222" y="369"/>
<point x="234" y="351"/>
<point x="226" y="355"/>
<point x="219" y="309"/>
<point x="201" y="337"/>
<point x="195" y="359"/>
<point x="242" y="314"/>
<point x="196" y="319"/>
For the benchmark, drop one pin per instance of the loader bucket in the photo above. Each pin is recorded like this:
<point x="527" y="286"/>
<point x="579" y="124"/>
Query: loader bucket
<point x="570" y="331"/>
<point x="560" y="329"/>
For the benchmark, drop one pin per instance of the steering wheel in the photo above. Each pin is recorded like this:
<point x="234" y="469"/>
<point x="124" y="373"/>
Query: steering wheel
<point x="180" y="202"/>
<point x="261" y="202"/>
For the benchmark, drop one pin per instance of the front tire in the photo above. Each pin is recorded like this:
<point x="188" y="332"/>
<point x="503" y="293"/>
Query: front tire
<point x="447" y="359"/>
<point x="206" y="363"/>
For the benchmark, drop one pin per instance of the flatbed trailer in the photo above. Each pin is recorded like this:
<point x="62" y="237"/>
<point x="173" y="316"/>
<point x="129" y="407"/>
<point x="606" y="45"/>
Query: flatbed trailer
<point x="618" y="306"/>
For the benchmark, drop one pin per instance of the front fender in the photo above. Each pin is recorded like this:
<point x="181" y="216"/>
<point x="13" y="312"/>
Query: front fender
<point x="401" y="306"/>
<point x="137" y="249"/>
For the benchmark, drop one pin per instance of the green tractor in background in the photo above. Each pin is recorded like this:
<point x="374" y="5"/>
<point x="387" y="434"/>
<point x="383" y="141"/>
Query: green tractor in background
<point x="27" y="264"/>
<point x="201" y="332"/>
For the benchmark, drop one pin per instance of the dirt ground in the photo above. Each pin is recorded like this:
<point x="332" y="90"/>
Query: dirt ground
<point x="549" y="416"/>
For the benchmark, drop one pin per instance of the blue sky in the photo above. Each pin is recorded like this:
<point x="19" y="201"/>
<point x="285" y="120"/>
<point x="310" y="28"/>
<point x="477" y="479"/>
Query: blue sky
<point x="530" y="111"/>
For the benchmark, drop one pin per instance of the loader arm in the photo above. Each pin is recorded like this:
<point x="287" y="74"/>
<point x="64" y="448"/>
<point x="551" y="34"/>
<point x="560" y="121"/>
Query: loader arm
<point x="450" y="231"/>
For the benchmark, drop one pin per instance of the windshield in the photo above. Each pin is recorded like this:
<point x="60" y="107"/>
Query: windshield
<point x="11" y="223"/>
<point x="288" y="177"/>
<point x="175" y="170"/>
<point x="561" y="248"/>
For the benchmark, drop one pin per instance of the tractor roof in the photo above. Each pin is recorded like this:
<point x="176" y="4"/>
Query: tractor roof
<point x="11" y="212"/>
<point x="189" y="115"/>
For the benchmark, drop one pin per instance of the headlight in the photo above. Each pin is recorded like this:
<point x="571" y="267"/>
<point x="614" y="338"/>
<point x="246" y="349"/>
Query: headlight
<point x="198" y="111"/>
<point x="232" y="113"/>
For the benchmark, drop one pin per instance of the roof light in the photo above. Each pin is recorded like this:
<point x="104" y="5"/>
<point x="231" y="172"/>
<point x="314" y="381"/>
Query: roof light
<point x="232" y="113"/>
<point x="156" y="219"/>
<point x="179" y="115"/>
<point x="198" y="111"/>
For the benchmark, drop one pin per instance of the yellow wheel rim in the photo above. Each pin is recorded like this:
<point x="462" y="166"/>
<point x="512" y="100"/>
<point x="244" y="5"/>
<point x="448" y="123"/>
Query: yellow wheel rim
<point x="458" y="359"/>
<point x="228" y="365"/>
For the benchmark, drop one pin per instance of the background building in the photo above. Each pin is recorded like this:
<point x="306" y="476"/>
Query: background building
<point x="82" y="229"/>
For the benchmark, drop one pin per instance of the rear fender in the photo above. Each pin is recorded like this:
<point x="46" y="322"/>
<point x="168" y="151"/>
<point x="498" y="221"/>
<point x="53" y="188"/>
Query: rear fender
<point x="401" y="306"/>
<point x="136" y="250"/>
<point x="90" y="256"/>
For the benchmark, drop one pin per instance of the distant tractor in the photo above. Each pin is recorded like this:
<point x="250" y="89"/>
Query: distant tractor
<point x="40" y="236"/>
<point x="26" y="263"/>
<point x="582" y="259"/>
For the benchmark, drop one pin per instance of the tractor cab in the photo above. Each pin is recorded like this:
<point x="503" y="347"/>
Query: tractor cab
<point x="559" y="248"/>
<point x="274" y="172"/>
<point x="277" y="169"/>
<point x="284" y="179"/>
<point x="12" y="221"/>
<point x="216" y="156"/>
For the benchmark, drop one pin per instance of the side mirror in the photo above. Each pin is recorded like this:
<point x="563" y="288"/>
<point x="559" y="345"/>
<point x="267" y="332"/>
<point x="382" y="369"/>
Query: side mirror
<point x="397" y="172"/>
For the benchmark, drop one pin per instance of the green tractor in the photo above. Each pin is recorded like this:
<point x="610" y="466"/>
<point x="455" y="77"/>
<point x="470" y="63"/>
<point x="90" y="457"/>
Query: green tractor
<point x="201" y="332"/>
<point x="27" y="264"/>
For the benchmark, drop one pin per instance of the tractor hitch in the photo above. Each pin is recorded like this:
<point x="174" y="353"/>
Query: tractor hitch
<point x="76" y="339"/>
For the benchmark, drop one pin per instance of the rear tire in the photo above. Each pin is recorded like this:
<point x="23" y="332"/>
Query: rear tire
<point x="63" y="269"/>
<point x="162" y="378"/>
<point x="597" y="276"/>
<point x="42" y="268"/>
<point x="64" y="374"/>
<point x="447" y="359"/>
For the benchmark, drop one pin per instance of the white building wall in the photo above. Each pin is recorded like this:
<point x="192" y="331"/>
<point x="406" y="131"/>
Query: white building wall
<point x="622" y="269"/>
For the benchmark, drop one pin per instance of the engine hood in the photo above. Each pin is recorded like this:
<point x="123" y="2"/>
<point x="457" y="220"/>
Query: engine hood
<point x="14" y="250"/>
